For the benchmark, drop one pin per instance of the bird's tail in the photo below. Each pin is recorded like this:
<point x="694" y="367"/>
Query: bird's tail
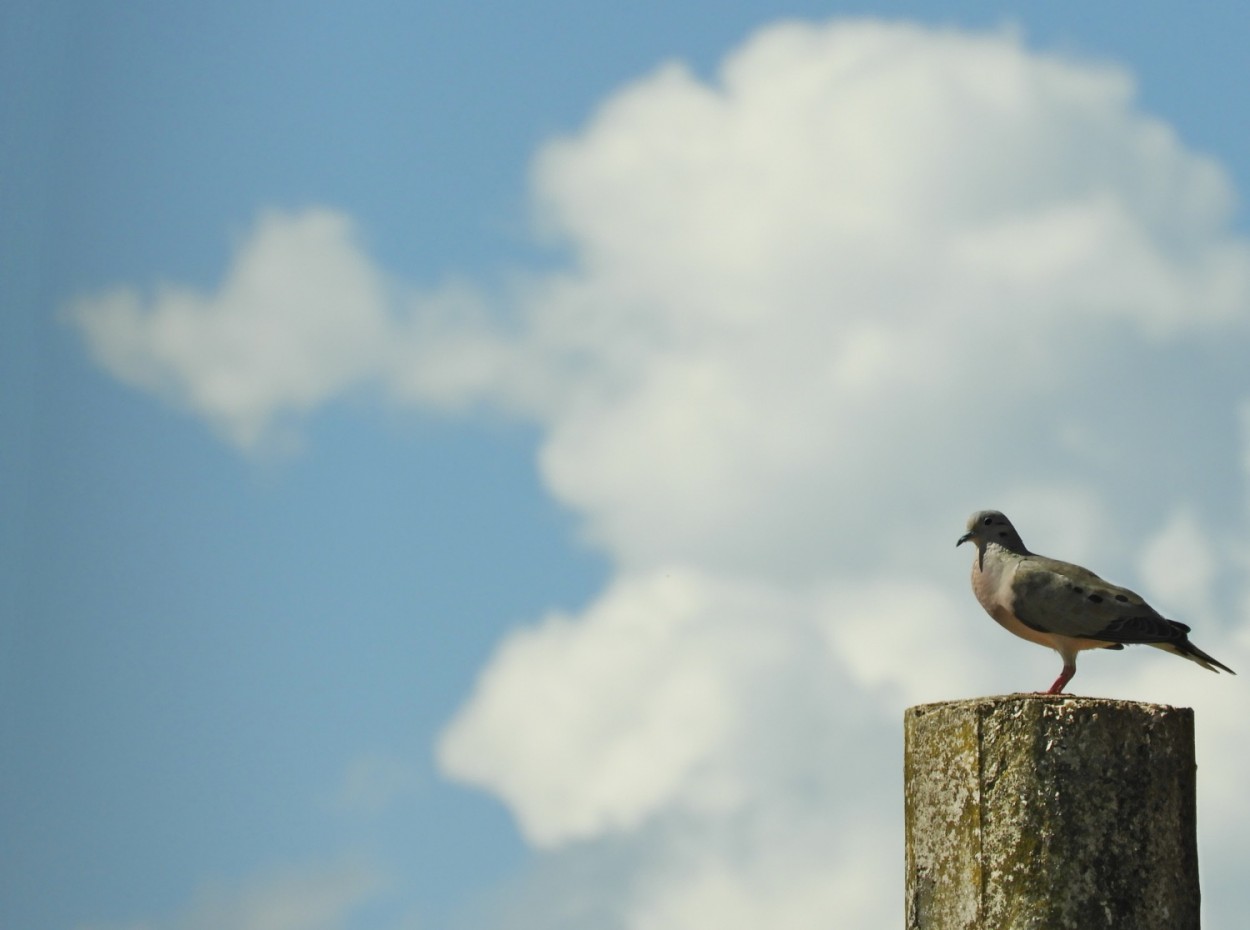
<point x="1187" y="650"/>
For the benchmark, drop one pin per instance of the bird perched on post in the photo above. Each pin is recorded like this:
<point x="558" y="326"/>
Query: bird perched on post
<point x="1061" y="605"/>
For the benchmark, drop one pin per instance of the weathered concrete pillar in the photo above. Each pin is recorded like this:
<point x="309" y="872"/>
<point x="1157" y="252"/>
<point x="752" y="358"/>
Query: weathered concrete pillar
<point x="1032" y="812"/>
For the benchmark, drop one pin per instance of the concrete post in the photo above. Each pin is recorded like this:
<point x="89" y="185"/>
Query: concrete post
<point x="1033" y="812"/>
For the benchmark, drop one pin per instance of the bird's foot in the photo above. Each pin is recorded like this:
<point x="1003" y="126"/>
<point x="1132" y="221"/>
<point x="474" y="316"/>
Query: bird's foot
<point x="1065" y="676"/>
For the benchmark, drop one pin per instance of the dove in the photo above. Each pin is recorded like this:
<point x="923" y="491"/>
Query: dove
<point x="1064" y="606"/>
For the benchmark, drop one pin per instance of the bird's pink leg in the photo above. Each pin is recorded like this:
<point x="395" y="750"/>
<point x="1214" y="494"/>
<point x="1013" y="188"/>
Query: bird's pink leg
<point x="1064" y="677"/>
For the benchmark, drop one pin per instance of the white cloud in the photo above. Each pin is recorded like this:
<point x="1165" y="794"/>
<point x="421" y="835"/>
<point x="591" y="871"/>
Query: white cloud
<point x="859" y="250"/>
<point x="302" y="317"/>
<point x="868" y="273"/>
<point x="786" y="874"/>
<point x="905" y="635"/>
<point x="1180" y="563"/>
<point x="311" y="898"/>
<point x="867" y="279"/>
<point x="589" y="725"/>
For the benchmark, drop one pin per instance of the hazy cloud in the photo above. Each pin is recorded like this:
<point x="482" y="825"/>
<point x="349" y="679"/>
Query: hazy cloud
<point x="372" y="783"/>
<point x="292" y="899"/>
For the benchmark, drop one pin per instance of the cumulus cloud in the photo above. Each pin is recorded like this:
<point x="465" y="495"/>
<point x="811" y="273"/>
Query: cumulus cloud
<point x="651" y="700"/>
<point x="863" y="280"/>
<point x="300" y="317"/>
<point x="829" y="264"/>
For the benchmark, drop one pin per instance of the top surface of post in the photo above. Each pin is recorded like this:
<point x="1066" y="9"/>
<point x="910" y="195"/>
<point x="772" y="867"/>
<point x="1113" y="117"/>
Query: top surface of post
<point x="1030" y="698"/>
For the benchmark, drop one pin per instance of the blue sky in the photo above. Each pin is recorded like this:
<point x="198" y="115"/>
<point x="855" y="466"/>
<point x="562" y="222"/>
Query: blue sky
<point x="485" y="467"/>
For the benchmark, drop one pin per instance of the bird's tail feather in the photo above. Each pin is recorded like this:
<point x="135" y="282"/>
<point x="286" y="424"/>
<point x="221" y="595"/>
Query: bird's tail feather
<point x="1188" y="650"/>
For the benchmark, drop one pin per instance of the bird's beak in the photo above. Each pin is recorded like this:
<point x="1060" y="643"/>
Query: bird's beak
<point x="963" y="539"/>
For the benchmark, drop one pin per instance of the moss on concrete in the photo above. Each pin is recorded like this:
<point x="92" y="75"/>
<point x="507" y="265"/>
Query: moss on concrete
<point x="1040" y="812"/>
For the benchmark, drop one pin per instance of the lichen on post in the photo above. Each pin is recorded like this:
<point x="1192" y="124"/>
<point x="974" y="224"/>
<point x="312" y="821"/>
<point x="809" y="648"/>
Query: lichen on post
<point x="1047" y="812"/>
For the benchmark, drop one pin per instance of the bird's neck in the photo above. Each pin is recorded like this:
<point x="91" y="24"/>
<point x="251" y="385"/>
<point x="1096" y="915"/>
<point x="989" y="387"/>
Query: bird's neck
<point x="993" y="557"/>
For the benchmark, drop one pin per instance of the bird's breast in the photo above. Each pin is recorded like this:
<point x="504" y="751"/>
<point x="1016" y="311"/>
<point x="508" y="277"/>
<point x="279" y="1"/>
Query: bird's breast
<point x="991" y="584"/>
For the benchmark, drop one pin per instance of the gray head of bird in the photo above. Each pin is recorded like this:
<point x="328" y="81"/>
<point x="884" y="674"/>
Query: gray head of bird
<point x="991" y="526"/>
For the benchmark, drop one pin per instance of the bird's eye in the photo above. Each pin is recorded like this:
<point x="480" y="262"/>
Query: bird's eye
<point x="988" y="520"/>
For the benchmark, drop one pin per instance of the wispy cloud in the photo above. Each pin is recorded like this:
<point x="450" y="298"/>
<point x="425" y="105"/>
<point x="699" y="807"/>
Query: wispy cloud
<point x="372" y="783"/>
<point x="310" y="898"/>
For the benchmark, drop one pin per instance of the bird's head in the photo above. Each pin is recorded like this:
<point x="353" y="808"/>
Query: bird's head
<point x="991" y="526"/>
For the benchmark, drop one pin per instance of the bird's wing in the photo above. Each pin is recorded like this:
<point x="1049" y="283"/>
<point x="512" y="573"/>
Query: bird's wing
<point x="1059" y="597"/>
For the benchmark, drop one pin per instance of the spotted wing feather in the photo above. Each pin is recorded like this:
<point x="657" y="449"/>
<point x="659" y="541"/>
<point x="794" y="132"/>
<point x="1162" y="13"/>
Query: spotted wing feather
<point x="1059" y="597"/>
